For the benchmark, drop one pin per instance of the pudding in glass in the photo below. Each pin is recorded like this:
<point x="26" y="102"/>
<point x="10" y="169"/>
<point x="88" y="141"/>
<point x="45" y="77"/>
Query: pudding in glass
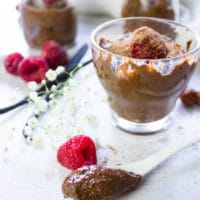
<point x="167" y="9"/>
<point x="144" y="70"/>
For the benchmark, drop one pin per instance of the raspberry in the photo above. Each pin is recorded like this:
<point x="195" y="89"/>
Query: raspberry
<point x="33" y="68"/>
<point x="54" y="54"/>
<point x="11" y="62"/>
<point x="77" y="152"/>
<point x="49" y="1"/>
<point x="148" y="44"/>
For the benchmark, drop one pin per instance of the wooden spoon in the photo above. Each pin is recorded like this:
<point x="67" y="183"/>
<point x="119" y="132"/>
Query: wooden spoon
<point x="98" y="182"/>
<point x="143" y="167"/>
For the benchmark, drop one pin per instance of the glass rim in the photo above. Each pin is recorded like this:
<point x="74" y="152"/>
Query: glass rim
<point x="115" y="21"/>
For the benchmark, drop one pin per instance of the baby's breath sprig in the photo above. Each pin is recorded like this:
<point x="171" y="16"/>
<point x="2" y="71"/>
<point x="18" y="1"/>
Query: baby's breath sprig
<point x="58" y="79"/>
<point x="61" y="78"/>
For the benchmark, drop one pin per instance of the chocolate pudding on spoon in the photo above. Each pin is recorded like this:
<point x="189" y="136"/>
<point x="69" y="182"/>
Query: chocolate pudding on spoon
<point x="105" y="183"/>
<point x="44" y="20"/>
<point x="144" y="70"/>
<point x="97" y="182"/>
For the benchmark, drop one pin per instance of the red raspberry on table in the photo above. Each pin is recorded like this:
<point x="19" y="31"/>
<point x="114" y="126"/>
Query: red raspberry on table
<point x="33" y="68"/>
<point x="11" y="62"/>
<point x="54" y="54"/>
<point x="77" y="152"/>
<point x="148" y="44"/>
<point x="49" y="1"/>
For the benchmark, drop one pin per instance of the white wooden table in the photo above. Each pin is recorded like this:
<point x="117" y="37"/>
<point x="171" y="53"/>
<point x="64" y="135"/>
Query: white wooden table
<point x="30" y="172"/>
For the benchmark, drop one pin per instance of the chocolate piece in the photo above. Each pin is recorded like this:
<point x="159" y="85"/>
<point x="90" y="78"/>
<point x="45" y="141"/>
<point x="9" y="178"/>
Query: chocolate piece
<point x="189" y="97"/>
<point x="198" y="96"/>
<point x="98" y="183"/>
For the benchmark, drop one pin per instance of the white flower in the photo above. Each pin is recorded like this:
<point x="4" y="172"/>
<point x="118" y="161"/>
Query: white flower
<point x="73" y="106"/>
<point x="32" y="122"/>
<point x="38" y="142"/>
<point x="53" y="88"/>
<point x="51" y="75"/>
<point x="28" y="130"/>
<point x="42" y="105"/>
<point x="72" y="82"/>
<point x="51" y="96"/>
<point x="32" y="85"/>
<point x="66" y="91"/>
<point x="53" y="103"/>
<point x="58" y="110"/>
<point x="36" y="111"/>
<point x="60" y="70"/>
<point x="33" y="96"/>
<point x="43" y="82"/>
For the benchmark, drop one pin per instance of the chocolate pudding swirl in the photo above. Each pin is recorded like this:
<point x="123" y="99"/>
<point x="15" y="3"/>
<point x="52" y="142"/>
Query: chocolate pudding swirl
<point x="98" y="183"/>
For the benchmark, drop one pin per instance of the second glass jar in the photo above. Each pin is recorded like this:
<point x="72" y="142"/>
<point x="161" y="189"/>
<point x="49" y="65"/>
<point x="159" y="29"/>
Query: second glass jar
<point x="48" y="20"/>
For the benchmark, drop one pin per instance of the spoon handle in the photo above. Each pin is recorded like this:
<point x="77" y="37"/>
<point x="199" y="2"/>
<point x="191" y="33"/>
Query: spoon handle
<point x="146" y="165"/>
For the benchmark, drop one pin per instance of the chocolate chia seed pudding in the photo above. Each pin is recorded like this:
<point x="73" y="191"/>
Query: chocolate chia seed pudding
<point x="98" y="183"/>
<point x="166" y="9"/>
<point x="144" y="71"/>
<point x="51" y="22"/>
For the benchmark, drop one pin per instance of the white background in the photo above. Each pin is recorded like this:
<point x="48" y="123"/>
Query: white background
<point x="30" y="172"/>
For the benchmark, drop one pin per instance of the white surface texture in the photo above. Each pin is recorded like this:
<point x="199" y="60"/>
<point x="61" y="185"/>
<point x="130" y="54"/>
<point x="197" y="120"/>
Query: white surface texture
<point x="31" y="172"/>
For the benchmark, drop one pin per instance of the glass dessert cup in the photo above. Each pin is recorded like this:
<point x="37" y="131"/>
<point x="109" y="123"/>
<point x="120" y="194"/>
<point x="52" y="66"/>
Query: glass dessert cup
<point x="41" y="22"/>
<point x="167" y="9"/>
<point x="142" y="93"/>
